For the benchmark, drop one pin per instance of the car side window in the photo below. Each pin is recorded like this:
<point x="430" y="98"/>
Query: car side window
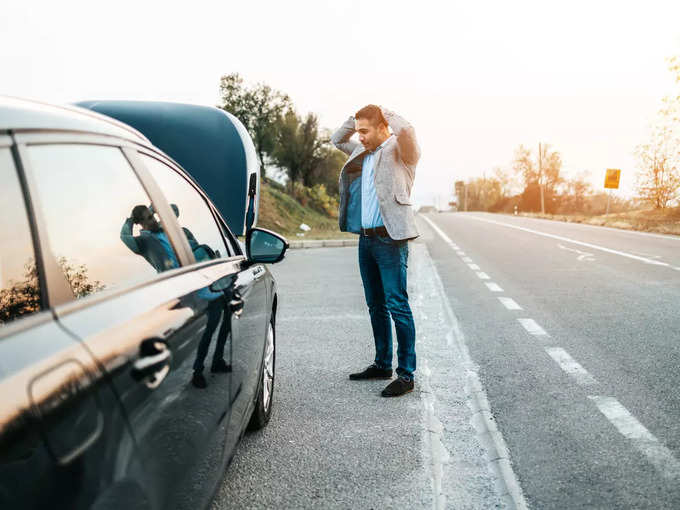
<point x="100" y="221"/>
<point x="192" y="211"/>
<point x="19" y="285"/>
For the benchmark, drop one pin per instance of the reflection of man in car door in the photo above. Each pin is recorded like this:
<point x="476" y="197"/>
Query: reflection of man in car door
<point x="217" y="309"/>
<point x="201" y="251"/>
<point x="151" y="243"/>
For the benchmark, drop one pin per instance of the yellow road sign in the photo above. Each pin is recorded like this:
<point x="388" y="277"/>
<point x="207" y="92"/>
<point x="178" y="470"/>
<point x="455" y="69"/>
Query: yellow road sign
<point x="611" y="178"/>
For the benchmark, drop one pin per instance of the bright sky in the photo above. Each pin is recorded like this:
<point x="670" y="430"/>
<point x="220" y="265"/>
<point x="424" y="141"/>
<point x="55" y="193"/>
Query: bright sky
<point x="476" y="79"/>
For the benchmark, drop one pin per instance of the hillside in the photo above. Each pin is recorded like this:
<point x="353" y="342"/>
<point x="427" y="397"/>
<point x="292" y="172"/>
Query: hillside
<point x="281" y="213"/>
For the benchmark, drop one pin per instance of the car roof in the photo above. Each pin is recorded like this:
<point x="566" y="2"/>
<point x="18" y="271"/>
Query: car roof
<point x="18" y="114"/>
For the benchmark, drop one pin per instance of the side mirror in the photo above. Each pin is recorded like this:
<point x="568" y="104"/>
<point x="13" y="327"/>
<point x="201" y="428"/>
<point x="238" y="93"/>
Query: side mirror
<point x="265" y="246"/>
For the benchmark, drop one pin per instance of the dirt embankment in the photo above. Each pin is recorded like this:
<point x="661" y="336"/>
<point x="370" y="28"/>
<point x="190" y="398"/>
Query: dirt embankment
<point x="663" y="221"/>
<point x="283" y="214"/>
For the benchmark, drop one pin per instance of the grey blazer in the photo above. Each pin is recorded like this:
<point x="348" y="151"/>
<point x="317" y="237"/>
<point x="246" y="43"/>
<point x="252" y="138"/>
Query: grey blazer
<point x="394" y="172"/>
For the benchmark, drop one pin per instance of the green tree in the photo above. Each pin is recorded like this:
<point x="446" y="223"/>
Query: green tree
<point x="258" y="107"/>
<point x="299" y="148"/>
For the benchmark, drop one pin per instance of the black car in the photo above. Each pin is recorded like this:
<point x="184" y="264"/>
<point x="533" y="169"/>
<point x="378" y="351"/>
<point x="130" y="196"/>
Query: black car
<point x="137" y="341"/>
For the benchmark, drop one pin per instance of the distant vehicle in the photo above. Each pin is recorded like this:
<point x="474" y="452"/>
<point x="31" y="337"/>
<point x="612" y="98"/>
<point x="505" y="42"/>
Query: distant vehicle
<point x="427" y="209"/>
<point x="137" y="340"/>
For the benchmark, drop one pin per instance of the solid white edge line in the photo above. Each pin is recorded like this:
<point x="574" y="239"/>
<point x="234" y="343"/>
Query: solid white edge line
<point x="509" y="303"/>
<point x="532" y="327"/>
<point x="570" y="366"/>
<point x="643" y="440"/>
<point x="493" y="287"/>
<point x="483" y="419"/>
<point x="574" y="241"/>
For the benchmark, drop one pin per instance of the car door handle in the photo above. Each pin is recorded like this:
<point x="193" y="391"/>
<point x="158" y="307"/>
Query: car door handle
<point x="153" y="363"/>
<point x="236" y="306"/>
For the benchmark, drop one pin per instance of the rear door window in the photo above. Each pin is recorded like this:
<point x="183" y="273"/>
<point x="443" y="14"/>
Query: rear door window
<point x="100" y="221"/>
<point x="19" y="284"/>
<point x="192" y="211"/>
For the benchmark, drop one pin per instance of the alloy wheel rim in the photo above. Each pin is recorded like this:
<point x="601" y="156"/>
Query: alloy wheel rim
<point x="268" y="372"/>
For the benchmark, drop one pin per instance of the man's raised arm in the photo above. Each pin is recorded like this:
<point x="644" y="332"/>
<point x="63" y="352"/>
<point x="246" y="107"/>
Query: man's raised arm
<point x="127" y="237"/>
<point x="341" y="138"/>
<point x="406" y="136"/>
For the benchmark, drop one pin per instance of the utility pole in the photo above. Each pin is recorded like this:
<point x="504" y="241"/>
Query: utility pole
<point x="540" y="176"/>
<point x="466" y="196"/>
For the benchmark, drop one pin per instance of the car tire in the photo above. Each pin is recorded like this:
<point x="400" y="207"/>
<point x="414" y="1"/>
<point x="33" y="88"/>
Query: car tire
<point x="265" y="392"/>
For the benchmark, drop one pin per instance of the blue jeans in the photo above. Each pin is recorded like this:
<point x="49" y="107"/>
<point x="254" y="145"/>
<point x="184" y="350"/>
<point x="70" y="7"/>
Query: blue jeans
<point x="383" y="263"/>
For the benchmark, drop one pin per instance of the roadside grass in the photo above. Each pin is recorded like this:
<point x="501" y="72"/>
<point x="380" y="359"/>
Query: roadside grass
<point x="662" y="221"/>
<point x="283" y="214"/>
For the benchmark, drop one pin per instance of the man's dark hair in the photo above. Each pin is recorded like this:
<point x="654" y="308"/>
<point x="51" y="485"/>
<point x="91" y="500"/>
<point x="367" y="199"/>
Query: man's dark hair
<point x="372" y="113"/>
<point x="137" y="213"/>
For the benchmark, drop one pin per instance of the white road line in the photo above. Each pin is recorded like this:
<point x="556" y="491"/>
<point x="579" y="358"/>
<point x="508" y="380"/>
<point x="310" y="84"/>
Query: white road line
<point x="532" y="327"/>
<point x="643" y="440"/>
<point x="493" y="287"/>
<point x="482" y="276"/>
<point x="574" y="241"/>
<point x="461" y="253"/>
<point x="570" y="366"/>
<point x="483" y="420"/>
<point x="467" y="260"/>
<point x="474" y="267"/>
<point x="582" y="254"/>
<point x="509" y="303"/>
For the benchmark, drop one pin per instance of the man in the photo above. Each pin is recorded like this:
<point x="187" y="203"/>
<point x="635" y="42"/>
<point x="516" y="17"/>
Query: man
<point x="375" y="189"/>
<point x="151" y="243"/>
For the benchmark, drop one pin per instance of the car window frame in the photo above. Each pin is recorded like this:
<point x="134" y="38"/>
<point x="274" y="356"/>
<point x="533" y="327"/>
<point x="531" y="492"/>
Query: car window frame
<point x="58" y="291"/>
<point x="228" y="237"/>
<point x="60" y="299"/>
<point x="43" y="315"/>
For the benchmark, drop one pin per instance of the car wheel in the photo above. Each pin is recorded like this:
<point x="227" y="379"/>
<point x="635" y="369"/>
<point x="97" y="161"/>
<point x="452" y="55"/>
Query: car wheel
<point x="265" y="393"/>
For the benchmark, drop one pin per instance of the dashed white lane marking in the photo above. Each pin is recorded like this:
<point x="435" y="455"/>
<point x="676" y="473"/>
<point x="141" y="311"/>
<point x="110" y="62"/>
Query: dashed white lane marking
<point x="461" y="253"/>
<point x="643" y="440"/>
<point x="574" y="241"/>
<point x="570" y="366"/>
<point x="532" y="327"/>
<point x="509" y="303"/>
<point x="467" y="260"/>
<point x="474" y="267"/>
<point x="482" y="276"/>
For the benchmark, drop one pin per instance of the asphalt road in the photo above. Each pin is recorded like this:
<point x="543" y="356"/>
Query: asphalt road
<point x="336" y="443"/>
<point x="576" y="333"/>
<point x="571" y="331"/>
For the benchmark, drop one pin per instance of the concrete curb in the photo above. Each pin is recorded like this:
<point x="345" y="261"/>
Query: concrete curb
<point x="322" y="243"/>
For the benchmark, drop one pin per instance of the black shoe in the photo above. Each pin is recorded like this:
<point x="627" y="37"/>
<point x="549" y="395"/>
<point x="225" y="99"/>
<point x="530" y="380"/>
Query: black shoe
<point x="220" y="367"/>
<point x="198" y="380"/>
<point x="398" y="387"/>
<point x="372" y="372"/>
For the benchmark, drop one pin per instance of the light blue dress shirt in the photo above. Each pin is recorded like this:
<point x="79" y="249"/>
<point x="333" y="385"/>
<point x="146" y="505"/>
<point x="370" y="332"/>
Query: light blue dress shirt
<point x="370" y="208"/>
